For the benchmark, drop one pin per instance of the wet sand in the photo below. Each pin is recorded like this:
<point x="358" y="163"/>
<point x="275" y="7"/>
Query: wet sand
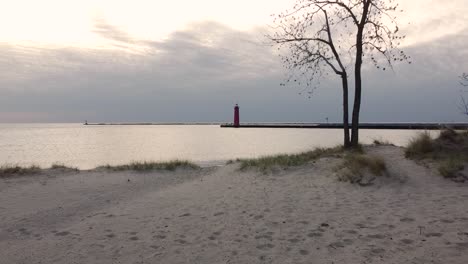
<point x="223" y="215"/>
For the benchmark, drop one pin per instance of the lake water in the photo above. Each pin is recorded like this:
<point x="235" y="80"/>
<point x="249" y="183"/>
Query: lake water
<point x="87" y="147"/>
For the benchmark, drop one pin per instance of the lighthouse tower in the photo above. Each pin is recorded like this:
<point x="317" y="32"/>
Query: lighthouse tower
<point x="236" y="116"/>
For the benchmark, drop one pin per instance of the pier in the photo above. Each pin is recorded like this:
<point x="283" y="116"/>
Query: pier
<point x="415" y="126"/>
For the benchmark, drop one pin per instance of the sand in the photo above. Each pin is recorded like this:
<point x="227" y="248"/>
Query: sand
<point x="222" y="215"/>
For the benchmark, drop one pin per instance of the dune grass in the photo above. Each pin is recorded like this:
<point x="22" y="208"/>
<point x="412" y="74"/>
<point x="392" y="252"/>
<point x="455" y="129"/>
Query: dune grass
<point x="448" y="144"/>
<point x="449" y="150"/>
<point x="355" y="166"/>
<point x="16" y="170"/>
<point x="60" y="166"/>
<point x="449" y="168"/>
<point x="150" y="166"/>
<point x="269" y="163"/>
<point x="12" y="170"/>
<point x="382" y="142"/>
<point x="420" y="147"/>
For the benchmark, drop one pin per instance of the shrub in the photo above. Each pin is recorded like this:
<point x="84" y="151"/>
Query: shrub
<point x="355" y="166"/>
<point x="450" y="167"/>
<point x="448" y="135"/>
<point x="419" y="146"/>
<point x="449" y="150"/>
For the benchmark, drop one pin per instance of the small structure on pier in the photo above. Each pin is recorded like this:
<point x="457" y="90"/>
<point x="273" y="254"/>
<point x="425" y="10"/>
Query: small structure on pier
<point x="236" y="116"/>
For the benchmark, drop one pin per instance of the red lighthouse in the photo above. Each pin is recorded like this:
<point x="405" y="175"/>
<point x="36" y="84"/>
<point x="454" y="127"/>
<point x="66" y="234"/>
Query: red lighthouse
<point x="236" y="116"/>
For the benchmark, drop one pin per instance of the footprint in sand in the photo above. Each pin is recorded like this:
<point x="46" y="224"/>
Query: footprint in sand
<point x="377" y="251"/>
<point x="64" y="233"/>
<point x="293" y="240"/>
<point x="314" y="234"/>
<point x="336" y="245"/>
<point x="376" y="236"/>
<point x="185" y="215"/>
<point x="406" y="220"/>
<point x="24" y="231"/>
<point x="407" y="241"/>
<point x="433" y="235"/>
<point x="447" y="221"/>
<point x="265" y="236"/>
<point x="462" y="245"/>
<point x="181" y="241"/>
<point x="265" y="246"/>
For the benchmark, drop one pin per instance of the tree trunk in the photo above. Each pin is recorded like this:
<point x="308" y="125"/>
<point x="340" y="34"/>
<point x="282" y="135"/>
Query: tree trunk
<point x="357" y="76"/>
<point x="357" y="99"/>
<point x="346" y="142"/>
<point x="357" y="104"/>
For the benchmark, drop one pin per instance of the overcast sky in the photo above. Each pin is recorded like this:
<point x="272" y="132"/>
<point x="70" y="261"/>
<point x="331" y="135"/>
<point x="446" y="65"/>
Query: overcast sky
<point x="187" y="61"/>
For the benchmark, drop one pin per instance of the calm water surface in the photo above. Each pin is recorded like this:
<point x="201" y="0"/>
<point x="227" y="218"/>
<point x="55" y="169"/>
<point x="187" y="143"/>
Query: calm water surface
<point x="89" y="146"/>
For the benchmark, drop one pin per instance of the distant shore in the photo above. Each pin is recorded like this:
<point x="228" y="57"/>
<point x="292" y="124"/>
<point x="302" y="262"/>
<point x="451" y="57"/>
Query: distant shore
<point x="155" y="124"/>
<point x="377" y="125"/>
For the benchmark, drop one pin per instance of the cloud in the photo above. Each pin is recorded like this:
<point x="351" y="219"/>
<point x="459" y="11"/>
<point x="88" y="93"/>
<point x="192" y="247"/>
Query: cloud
<point x="108" y="31"/>
<point x="198" y="73"/>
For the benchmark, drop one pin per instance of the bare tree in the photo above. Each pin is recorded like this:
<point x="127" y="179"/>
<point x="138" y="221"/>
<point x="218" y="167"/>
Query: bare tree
<point x="319" y="34"/>
<point x="463" y="102"/>
<point x="311" y="54"/>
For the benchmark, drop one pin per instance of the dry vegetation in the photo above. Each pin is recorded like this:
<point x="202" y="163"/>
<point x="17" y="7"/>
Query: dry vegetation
<point x="357" y="167"/>
<point x="149" y="166"/>
<point x="59" y="166"/>
<point x="13" y="170"/>
<point x="269" y="163"/>
<point x="382" y="142"/>
<point x="449" y="151"/>
<point x="360" y="168"/>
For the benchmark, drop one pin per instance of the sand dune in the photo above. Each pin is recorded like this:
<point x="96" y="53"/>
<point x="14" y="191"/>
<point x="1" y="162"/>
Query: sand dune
<point x="222" y="215"/>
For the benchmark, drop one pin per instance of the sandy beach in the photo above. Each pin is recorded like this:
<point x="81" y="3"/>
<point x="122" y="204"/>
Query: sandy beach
<point x="223" y="215"/>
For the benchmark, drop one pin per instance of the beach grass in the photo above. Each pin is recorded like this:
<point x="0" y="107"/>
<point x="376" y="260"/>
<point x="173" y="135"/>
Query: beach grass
<point x="420" y="147"/>
<point x="12" y="170"/>
<point x="360" y="168"/>
<point x="268" y="163"/>
<point x="358" y="162"/>
<point x="150" y="166"/>
<point x="382" y="142"/>
<point x="355" y="166"/>
<point x="449" y="168"/>
<point x="449" y="150"/>
<point x="448" y="144"/>
<point x="60" y="166"/>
